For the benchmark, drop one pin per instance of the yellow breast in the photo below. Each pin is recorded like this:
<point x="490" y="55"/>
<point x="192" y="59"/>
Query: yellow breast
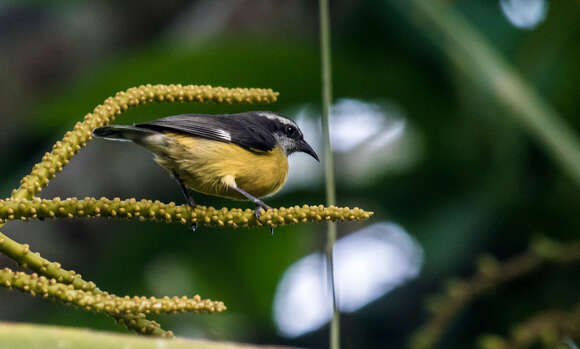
<point x="202" y="165"/>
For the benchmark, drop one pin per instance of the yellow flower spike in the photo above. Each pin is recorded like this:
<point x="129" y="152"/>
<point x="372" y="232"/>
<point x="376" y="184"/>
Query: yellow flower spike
<point x="103" y="114"/>
<point x="110" y="304"/>
<point x="170" y="213"/>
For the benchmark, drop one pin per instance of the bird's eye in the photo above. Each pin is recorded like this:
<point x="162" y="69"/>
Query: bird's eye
<point x="291" y="131"/>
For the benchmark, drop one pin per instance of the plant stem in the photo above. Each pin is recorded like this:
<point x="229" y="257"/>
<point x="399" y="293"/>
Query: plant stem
<point x="328" y="163"/>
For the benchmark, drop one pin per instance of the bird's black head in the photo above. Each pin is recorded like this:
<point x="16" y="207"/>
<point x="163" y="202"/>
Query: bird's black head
<point x="287" y="133"/>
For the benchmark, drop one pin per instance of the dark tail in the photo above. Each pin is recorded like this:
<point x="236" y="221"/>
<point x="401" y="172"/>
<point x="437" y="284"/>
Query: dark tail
<point x="122" y="133"/>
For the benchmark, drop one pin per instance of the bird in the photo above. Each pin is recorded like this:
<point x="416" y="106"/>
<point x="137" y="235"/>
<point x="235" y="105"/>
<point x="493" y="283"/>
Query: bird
<point x="241" y="156"/>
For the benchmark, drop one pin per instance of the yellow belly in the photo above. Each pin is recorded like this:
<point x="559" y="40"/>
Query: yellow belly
<point x="203" y="164"/>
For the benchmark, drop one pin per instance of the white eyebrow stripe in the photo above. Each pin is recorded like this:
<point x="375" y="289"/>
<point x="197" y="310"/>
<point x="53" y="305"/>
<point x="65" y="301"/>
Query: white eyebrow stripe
<point x="225" y="135"/>
<point x="273" y="116"/>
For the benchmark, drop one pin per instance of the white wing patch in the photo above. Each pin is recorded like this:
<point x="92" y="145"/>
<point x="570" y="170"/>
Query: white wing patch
<point x="157" y="139"/>
<point x="278" y="118"/>
<point x="225" y="135"/>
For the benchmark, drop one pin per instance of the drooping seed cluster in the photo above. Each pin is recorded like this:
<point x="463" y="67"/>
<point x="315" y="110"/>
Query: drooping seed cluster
<point x="32" y="260"/>
<point x="104" y="302"/>
<point x="171" y="213"/>
<point x="103" y="114"/>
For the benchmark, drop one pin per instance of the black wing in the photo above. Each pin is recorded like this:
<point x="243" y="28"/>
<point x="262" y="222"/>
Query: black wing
<point x="242" y="129"/>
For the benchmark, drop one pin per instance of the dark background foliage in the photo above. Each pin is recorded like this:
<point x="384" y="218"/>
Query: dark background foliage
<point x="473" y="180"/>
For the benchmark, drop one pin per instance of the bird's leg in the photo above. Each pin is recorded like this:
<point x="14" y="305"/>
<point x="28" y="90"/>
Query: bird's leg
<point x="259" y="204"/>
<point x="230" y="181"/>
<point x="188" y="197"/>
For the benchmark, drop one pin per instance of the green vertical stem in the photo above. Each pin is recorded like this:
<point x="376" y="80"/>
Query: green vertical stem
<point x="328" y="163"/>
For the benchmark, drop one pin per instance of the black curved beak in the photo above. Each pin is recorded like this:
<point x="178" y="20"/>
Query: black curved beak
<point x="306" y="148"/>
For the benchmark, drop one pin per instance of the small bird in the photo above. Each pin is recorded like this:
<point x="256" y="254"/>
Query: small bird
<point x="236" y="156"/>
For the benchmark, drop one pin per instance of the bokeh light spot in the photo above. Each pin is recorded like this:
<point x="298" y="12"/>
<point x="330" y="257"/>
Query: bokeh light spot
<point x="524" y="14"/>
<point x="368" y="264"/>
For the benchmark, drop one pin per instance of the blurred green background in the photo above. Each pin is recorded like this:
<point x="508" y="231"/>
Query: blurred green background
<point x="422" y="138"/>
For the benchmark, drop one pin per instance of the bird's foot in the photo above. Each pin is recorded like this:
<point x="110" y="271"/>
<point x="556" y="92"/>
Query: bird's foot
<point x="258" y="213"/>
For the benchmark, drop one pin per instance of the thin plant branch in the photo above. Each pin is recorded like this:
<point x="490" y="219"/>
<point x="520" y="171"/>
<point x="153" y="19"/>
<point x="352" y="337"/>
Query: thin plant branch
<point x="491" y="273"/>
<point x="328" y="164"/>
<point x="548" y="328"/>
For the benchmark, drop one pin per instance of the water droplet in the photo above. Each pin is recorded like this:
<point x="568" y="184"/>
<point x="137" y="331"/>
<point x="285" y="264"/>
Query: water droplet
<point x="193" y="226"/>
